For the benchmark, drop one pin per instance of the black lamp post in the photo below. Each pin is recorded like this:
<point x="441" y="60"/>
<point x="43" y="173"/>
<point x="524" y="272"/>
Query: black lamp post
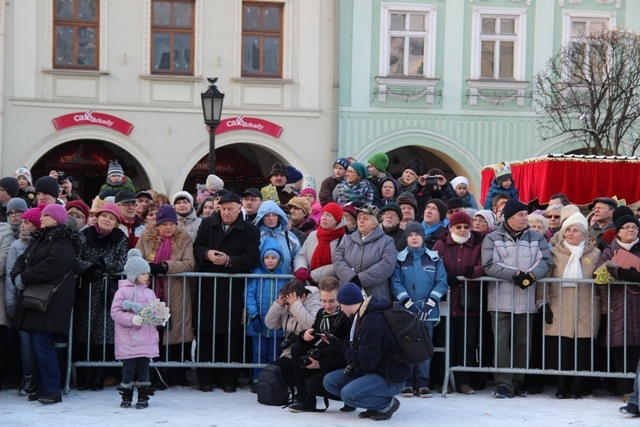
<point x="212" y="101"/>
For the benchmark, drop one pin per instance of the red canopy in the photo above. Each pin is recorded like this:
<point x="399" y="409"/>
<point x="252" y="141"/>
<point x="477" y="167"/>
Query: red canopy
<point x="581" y="178"/>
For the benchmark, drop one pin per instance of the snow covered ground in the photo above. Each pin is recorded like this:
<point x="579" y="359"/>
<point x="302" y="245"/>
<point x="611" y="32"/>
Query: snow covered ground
<point x="189" y="407"/>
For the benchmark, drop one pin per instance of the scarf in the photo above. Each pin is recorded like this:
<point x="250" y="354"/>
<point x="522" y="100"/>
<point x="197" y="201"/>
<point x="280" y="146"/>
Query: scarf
<point x="163" y="254"/>
<point x="429" y="230"/>
<point x="322" y="254"/>
<point x="353" y="192"/>
<point x="627" y="246"/>
<point x="460" y="240"/>
<point x="573" y="269"/>
<point x="101" y="233"/>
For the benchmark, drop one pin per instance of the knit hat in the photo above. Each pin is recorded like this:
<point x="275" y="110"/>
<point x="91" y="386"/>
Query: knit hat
<point x="460" y="217"/>
<point x="277" y="169"/>
<point x="414" y="227"/>
<point x="435" y="171"/>
<point x="80" y="205"/>
<point x="369" y="210"/>
<point x="534" y="217"/>
<point x="271" y="252"/>
<point x="57" y="212"/>
<point x="503" y="171"/>
<point x="379" y="161"/>
<point x="107" y="193"/>
<point x="11" y="186"/>
<point x="488" y="216"/>
<point x="182" y="195"/>
<point x="512" y="207"/>
<point x="575" y="219"/>
<point x="454" y="203"/>
<point x="22" y="170"/>
<point x="442" y="207"/>
<point x="214" y="183"/>
<point x="335" y="210"/>
<point x="300" y="203"/>
<point x="33" y="216"/>
<point x="342" y="162"/>
<point x="351" y="210"/>
<point x="407" y="198"/>
<point x="624" y="219"/>
<point x="360" y="169"/>
<point x="459" y="180"/>
<point x="166" y="213"/>
<point x="349" y="294"/>
<point x="110" y="208"/>
<point x="415" y="165"/>
<point x="621" y="211"/>
<point x="392" y="206"/>
<point x="568" y="211"/>
<point x="17" y="204"/>
<point x="293" y="175"/>
<point x="125" y="196"/>
<point x="114" y="169"/>
<point x="136" y="265"/>
<point x="309" y="190"/>
<point x="48" y="185"/>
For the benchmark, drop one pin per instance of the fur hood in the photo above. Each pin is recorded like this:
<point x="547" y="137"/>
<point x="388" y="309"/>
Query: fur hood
<point x="150" y="237"/>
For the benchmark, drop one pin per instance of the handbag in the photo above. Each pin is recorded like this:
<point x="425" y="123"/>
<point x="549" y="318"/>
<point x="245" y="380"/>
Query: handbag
<point x="38" y="296"/>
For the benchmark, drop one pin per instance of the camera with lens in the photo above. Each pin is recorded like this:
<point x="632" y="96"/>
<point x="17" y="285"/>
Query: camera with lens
<point x="431" y="180"/>
<point x="306" y="359"/>
<point x="289" y="339"/>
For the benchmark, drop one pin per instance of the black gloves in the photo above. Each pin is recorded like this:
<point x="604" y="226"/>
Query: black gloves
<point x="96" y="270"/>
<point x="158" y="269"/>
<point x="335" y="342"/>
<point x="524" y="280"/>
<point x="629" y="274"/>
<point x="355" y="279"/>
<point x="452" y="279"/>
<point x="468" y="271"/>
<point x="545" y="310"/>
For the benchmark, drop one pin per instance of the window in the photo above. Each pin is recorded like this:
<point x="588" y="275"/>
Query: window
<point x="262" y="39"/>
<point x="172" y="36"/>
<point x="576" y="27"/>
<point x="76" y="32"/>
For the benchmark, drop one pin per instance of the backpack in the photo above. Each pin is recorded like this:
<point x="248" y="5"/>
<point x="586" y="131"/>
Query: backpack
<point x="272" y="389"/>
<point x="411" y="335"/>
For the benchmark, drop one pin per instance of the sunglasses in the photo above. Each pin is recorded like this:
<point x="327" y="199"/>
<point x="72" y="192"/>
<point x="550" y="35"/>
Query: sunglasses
<point x="553" y="216"/>
<point x="461" y="227"/>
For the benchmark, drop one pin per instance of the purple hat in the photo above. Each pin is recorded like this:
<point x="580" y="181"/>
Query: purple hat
<point x="166" y="213"/>
<point x="57" y="212"/>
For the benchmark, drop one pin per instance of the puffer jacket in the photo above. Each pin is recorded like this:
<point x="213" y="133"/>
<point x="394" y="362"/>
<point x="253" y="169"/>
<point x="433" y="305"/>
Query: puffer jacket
<point x="419" y="275"/>
<point x="496" y="189"/>
<point x="303" y="259"/>
<point x="617" y="295"/>
<point x="372" y="260"/>
<point x="6" y="239"/>
<point x="503" y="257"/>
<point x="133" y="341"/>
<point x="11" y="290"/>
<point x="588" y="301"/>
<point x="286" y="239"/>
<point x="176" y="289"/>
<point x="190" y="222"/>
<point x="295" y="318"/>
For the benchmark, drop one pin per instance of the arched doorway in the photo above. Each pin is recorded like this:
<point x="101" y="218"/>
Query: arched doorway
<point x="87" y="160"/>
<point x="399" y="158"/>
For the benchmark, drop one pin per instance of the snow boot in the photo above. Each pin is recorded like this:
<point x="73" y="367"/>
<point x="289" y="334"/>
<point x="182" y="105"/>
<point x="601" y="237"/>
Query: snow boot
<point x="143" y="396"/>
<point x="127" y="396"/>
<point x="29" y="386"/>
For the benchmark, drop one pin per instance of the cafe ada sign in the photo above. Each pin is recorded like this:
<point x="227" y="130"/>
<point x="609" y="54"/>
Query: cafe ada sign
<point x="94" y="119"/>
<point x="243" y="122"/>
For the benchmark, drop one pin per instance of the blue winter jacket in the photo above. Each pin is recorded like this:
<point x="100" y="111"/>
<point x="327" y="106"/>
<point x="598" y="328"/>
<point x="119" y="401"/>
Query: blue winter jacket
<point x="497" y="189"/>
<point x="420" y="274"/>
<point x="261" y="293"/>
<point x="280" y="233"/>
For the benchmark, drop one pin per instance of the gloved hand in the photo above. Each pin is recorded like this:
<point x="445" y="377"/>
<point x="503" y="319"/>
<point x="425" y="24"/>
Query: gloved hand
<point x="157" y="269"/>
<point x="523" y="280"/>
<point x="136" y="320"/>
<point x="545" y="310"/>
<point x="468" y="271"/>
<point x="409" y="305"/>
<point x="428" y="308"/>
<point x="96" y="275"/>
<point x="302" y="274"/>
<point x="629" y="274"/>
<point x="452" y="279"/>
<point x="355" y="279"/>
<point x="335" y="342"/>
<point x="257" y="324"/>
<point x="612" y="268"/>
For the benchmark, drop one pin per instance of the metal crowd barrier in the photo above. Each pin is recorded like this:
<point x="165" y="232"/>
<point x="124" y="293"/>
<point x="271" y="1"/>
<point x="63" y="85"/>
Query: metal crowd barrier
<point x="601" y="293"/>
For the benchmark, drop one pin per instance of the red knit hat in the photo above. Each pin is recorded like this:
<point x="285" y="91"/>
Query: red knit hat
<point x="80" y="205"/>
<point x="33" y="216"/>
<point x="460" y="217"/>
<point x="334" y="209"/>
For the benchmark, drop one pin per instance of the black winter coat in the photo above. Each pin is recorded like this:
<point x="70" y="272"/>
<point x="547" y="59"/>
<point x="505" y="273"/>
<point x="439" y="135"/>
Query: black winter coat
<point x="47" y="260"/>
<point x="242" y="243"/>
<point x="339" y="326"/>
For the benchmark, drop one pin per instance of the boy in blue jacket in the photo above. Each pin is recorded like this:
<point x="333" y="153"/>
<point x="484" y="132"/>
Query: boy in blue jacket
<point x="503" y="183"/>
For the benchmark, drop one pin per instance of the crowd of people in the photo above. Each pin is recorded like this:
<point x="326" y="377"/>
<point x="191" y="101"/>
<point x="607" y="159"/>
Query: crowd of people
<point x="330" y="261"/>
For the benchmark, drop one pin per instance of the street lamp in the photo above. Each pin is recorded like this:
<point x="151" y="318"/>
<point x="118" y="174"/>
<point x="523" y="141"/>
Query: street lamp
<point x="212" y="101"/>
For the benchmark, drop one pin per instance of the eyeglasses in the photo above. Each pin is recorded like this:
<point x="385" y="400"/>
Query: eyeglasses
<point x="629" y="227"/>
<point x="553" y="216"/>
<point x="479" y="219"/>
<point x="461" y="227"/>
<point x="348" y="171"/>
<point x="14" y="213"/>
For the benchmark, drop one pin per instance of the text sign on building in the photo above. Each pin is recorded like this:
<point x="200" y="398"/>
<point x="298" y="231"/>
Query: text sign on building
<point x="249" y="123"/>
<point x="92" y="118"/>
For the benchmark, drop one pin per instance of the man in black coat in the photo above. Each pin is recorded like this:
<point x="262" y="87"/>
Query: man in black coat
<point x="227" y="244"/>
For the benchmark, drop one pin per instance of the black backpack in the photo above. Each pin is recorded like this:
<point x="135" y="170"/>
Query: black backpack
<point x="272" y="389"/>
<point x="411" y="335"/>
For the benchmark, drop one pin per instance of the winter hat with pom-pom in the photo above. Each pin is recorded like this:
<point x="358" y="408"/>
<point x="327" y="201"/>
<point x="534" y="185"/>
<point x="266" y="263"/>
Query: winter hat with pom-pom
<point x="136" y="265"/>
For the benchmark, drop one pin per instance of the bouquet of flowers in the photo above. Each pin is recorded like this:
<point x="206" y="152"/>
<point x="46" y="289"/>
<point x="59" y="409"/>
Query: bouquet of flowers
<point x="155" y="314"/>
<point x="603" y="277"/>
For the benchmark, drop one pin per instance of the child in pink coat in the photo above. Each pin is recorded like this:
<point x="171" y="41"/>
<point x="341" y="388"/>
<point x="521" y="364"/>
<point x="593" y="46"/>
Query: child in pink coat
<point x="135" y="343"/>
<point x="316" y="208"/>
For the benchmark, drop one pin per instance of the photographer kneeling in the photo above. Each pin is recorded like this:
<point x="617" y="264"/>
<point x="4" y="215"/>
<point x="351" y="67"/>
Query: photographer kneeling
<point x="294" y="311"/>
<point x="313" y="358"/>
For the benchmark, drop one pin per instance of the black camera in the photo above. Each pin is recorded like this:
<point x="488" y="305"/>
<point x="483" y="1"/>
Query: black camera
<point x="431" y="180"/>
<point x="289" y="339"/>
<point x="313" y="353"/>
